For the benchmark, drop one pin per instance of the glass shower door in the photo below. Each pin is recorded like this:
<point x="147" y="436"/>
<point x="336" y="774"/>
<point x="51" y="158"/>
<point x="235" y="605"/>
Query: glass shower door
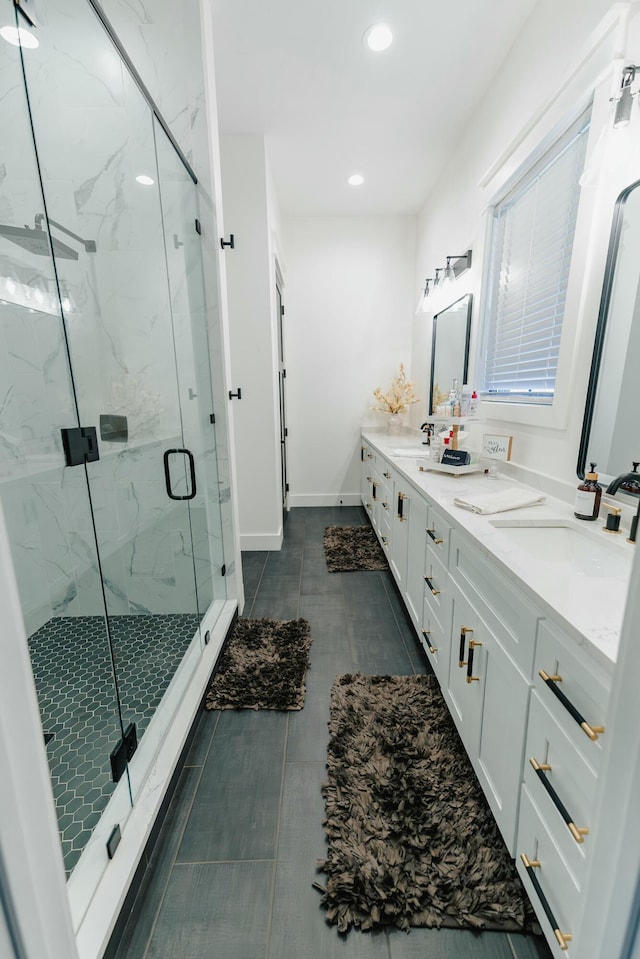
<point x="47" y="507"/>
<point x="95" y="138"/>
<point x="128" y="274"/>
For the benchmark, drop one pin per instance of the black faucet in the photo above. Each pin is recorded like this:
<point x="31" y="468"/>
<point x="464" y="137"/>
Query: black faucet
<point x="629" y="483"/>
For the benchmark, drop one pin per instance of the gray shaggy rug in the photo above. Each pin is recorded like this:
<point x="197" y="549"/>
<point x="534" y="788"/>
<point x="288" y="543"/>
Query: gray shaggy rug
<point x="263" y="666"/>
<point x="351" y="548"/>
<point x="411" y="839"/>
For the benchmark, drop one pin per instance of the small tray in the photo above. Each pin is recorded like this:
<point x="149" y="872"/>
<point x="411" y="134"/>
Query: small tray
<point x="451" y="469"/>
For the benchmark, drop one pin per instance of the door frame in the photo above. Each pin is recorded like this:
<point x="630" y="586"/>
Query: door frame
<point x="282" y="389"/>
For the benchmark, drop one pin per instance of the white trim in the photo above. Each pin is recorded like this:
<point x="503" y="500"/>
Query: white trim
<point x="261" y="541"/>
<point x="100" y="918"/>
<point x="29" y="835"/>
<point x="324" y="499"/>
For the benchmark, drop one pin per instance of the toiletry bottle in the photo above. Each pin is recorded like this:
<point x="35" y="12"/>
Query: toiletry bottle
<point x="588" y="496"/>
<point x="473" y="404"/>
<point x="454" y="398"/>
<point x="465" y="400"/>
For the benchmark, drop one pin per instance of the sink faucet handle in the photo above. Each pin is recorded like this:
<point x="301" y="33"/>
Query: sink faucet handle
<point x="613" y="519"/>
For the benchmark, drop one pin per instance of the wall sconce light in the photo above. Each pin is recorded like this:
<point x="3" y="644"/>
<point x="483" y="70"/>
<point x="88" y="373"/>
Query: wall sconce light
<point x="624" y="101"/>
<point x="422" y="306"/>
<point x="459" y="266"/>
<point x="436" y="279"/>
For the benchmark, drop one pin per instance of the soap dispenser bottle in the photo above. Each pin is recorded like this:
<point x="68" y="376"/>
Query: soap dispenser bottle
<point x="588" y="496"/>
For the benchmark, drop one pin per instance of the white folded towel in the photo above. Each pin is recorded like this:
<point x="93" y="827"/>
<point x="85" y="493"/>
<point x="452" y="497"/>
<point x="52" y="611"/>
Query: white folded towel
<point x="513" y="497"/>
<point x="410" y="451"/>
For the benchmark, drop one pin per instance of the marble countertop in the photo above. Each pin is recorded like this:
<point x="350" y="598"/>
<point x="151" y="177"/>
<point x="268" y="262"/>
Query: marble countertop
<point x="583" y="590"/>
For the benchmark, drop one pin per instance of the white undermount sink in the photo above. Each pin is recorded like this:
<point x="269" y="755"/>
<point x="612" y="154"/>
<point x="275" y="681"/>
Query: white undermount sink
<point x="560" y="543"/>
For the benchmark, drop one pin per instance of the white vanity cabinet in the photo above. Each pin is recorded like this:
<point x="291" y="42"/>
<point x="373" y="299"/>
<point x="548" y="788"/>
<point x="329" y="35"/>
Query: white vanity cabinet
<point x="566" y="736"/>
<point x="527" y="697"/>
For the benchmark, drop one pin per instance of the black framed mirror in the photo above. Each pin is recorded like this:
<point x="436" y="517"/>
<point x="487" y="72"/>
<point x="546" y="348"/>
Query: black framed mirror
<point x="450" y="349"/>
<point x="611" y="426"/>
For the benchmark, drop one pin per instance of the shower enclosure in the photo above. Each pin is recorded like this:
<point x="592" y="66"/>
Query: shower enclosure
<point x="108" y="466"/>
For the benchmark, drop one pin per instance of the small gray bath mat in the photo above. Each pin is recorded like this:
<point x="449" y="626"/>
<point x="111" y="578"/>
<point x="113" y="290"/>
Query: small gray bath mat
<point x="351" y="548"/>
<point x="263" y="666"/>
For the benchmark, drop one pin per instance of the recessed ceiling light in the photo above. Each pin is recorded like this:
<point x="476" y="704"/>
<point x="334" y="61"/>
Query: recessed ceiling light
<point x="145" y="180"/>
<point x="378" y="37"/>
<point x="356" y="179"/>
<point x="18" y="36"/>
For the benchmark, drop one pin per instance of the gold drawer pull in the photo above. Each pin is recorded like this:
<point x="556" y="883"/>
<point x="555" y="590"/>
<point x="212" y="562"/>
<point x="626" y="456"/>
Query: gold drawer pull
<point x="578" y="832"/>
<point x="432" y="649"/>
<point x="473" y="644"/>
<point x="384" y="540"/>
<point x="563" y="938"/>
<point x="434" y="591"/>
<point x="463" y="634"/>
<point x="551" y="680"/>
<point x="432" y="534"/>
<point x="385" y="506"/>
<point x="387" y="475"/>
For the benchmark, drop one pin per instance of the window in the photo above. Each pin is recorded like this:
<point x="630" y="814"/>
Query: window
<point x="529" y="258"/>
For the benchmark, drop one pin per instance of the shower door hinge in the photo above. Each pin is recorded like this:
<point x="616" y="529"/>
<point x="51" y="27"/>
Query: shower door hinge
<point x="231" y="242"/>
<point x="27" y="9"/>
<point x="198" y="228"/>
<point x="212" y="417"/>
<point x="284" y="374"/>
<point x="223" y="569"/>
<point x="80" y="445"/>
<point x="286" y="487"/>
<point x="281" y="310"/>
<point x="123" y="752"/>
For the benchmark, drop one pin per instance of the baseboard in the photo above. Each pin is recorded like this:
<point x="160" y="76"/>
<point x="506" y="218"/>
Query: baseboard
<point x="324" y="499"/>
<point x="260" y="541"/>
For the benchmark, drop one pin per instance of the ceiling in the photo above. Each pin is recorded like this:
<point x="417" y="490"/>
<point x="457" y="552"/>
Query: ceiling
<point x="298" y="72"/>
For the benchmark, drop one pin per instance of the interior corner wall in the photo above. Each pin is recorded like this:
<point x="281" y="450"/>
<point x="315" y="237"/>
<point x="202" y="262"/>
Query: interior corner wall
<point x="252" y="328"/>
<point x="349" y="304"/>
<point x="528" y="87"/>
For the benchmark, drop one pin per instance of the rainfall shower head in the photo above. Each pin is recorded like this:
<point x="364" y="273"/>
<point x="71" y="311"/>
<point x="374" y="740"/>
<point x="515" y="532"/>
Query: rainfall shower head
<point x="35" y="239"/>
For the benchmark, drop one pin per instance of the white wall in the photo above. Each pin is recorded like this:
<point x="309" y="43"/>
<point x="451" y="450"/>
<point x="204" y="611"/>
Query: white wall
<point x="560" y="56"/>
<point x="349" y="302"/>
<point x="249" y="210"/>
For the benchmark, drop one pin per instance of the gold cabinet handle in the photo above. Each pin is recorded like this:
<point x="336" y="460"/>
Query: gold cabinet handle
<point x="473" y="644"/>
<point x="562" y="938"/>
<point x="385" y="506"/>
<point x="374" y="487"/>
<point x="432" y="534"/>
<point x="432" y="649"/>
<point x="552" y="680"/>
<point x="384" y="540"/>
<point x="434" y="591"/>
<point x="463" y="634"/>
<point x="401" y="498"/>
<point x="578" y="832"/>
<point x="387" y="475"/>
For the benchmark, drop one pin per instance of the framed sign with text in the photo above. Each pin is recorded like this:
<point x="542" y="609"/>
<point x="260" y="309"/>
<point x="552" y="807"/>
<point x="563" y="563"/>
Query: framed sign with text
<point x="496" y="447"/>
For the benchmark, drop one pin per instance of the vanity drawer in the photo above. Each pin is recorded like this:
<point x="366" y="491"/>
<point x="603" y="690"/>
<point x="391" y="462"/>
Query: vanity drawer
<point x="506" y="610"/>
<point x="578" y="698"/>
<point x="566" y="790"/>
<point x="553" y="876"/>
<point x="438" y="535"/>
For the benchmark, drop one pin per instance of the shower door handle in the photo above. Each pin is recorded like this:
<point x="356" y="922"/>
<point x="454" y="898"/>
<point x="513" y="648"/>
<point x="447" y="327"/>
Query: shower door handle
<point x="167" y="473"/>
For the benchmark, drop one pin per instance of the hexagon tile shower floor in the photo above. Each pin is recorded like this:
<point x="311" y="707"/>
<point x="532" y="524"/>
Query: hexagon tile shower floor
<point x="74" y="681"/>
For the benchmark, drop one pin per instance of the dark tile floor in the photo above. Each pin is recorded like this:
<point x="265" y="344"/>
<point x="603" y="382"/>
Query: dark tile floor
<point x="231" y="874"/>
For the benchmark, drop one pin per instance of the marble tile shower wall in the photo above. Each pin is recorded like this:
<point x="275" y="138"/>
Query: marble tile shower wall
<point x="122" y="320"/>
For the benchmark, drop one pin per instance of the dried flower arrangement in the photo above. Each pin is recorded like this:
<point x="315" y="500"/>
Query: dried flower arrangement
<point x="401" y="395"/>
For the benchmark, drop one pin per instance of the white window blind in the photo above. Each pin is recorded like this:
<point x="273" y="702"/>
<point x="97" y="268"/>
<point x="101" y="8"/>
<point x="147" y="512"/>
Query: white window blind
<point x="530" y="255"/>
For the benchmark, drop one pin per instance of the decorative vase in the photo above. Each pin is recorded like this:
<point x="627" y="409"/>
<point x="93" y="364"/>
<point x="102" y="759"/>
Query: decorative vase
<point x="394" y="422"/>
